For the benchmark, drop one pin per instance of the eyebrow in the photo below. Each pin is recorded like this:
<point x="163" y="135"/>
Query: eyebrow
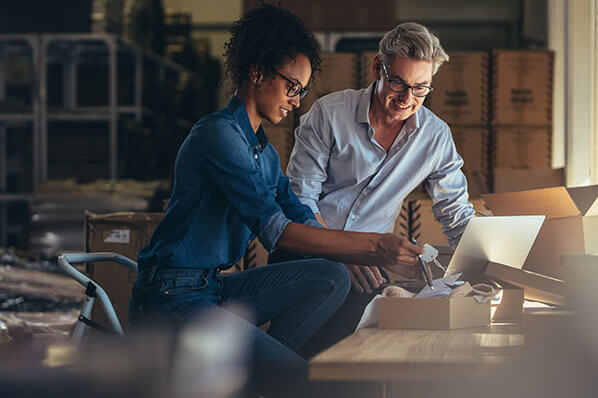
<point x="397" y="77"/>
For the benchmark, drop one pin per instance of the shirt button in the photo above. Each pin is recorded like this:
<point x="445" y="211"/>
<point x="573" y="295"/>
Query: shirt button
<point x="353" y="217"/>
<point x="255" y="156"/>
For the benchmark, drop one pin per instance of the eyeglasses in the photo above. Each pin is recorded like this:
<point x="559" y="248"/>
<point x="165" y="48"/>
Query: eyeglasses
<point x="296" y="89"/>
<point x="399" y="86"/>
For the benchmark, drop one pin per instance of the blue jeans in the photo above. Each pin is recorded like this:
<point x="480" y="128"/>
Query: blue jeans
<point x="297" y="297"/>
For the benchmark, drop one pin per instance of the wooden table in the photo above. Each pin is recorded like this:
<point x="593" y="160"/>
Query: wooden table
<point x="387" y="355"/>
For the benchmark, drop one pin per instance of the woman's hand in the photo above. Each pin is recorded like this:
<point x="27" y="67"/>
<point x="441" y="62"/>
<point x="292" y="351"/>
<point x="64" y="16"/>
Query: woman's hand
<point x="399" y="255"/>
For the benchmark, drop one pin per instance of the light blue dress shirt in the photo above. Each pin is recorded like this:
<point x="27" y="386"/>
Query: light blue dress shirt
<point x="340" y="171"/>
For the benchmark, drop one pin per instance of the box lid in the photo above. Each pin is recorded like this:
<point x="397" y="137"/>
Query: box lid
<point x="554" y="202"/>
<point x="127" y="217"/>
<point x="536" y="287"/>
<point x="586" y="199"/>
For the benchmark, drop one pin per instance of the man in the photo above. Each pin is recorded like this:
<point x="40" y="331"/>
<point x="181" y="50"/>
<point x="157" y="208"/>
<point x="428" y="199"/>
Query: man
<point x="358" y="154"/>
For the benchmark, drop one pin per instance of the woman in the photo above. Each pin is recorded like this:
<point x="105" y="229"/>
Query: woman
<point x="229" y="188"/>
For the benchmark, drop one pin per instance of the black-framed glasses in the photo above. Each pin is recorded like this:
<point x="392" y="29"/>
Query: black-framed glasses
<point x="399" y="86"/>
<point x="296" y="89"/>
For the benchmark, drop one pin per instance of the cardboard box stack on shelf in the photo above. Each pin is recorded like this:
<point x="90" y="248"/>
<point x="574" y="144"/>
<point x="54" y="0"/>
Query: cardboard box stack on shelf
<point x="521" y="119"/>
<point x="366" y="59"/>
<point x="339" y="72"/>
<point x="416" y="219"/>
<point x="460" y="98"/>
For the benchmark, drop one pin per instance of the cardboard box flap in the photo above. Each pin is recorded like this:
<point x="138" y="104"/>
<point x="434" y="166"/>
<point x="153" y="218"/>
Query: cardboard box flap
<point x="551" y="202"/>
<point x="128" y="217"/>
<point x="586" y="199"/>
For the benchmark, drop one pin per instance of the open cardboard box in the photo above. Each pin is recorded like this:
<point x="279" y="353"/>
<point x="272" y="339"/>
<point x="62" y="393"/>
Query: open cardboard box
<point x="449" y="313"/>
<point x="535" y="286"/>
<point x="571" y="224"/>
<point x="432" y="313"/>
<point x="484" y="240"/>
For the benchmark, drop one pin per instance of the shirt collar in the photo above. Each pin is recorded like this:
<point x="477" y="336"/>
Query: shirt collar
<point x="256" y="139"/>
<point x="411" y="125"/>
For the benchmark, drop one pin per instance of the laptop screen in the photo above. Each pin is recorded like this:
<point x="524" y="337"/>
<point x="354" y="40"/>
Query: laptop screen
<point x="505" y="240"/>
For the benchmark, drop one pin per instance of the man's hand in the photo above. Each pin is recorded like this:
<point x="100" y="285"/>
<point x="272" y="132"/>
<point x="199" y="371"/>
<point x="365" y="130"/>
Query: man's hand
<point x="400" y="255"/>
<point x="364" y="278"/>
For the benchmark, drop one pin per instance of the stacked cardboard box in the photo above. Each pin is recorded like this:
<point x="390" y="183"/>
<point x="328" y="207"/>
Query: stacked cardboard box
<point x="339" y="72"/>
<point x="521" y="117"/>
<point x="460" y="98"/>
<point x="366" y="59"/>
<point x="417" y="220"/>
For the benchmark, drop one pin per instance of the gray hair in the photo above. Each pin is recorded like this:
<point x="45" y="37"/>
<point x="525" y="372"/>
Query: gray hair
<point x="412" y="40"/>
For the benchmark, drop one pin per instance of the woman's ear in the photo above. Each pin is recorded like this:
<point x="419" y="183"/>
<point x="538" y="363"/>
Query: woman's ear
<point x="256" y="75"/>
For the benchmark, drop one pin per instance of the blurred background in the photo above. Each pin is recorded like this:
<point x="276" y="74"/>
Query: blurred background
<point x="97" y="95"/>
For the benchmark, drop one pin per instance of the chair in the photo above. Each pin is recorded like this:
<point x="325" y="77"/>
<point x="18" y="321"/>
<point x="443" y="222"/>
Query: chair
<point x="93" y="291"/>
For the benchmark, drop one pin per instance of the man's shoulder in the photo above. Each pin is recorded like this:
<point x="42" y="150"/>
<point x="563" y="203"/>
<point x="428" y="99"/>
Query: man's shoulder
<point x="347" y="98"/>
<point x="427" y="118"/>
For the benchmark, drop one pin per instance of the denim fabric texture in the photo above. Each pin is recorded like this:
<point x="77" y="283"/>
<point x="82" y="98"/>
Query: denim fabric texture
<point x="297" y="297"/>
<point x="228" y="189"/>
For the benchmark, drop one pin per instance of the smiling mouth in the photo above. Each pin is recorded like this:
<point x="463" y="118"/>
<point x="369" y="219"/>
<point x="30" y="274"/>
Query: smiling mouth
<point x="284" y="111"/>
<point x="402" y="107"/>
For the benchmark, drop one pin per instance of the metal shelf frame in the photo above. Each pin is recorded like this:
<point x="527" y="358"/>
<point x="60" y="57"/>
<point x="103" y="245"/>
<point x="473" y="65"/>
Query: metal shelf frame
<point x="39" y="114"/>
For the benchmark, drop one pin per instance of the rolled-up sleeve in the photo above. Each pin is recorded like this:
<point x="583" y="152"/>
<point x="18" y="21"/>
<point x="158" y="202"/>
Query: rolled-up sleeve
<point x="222" y="153"/>
<point x="309" y="159"/>
<point x="447" y="186"/>
<point x="291" y="205"/>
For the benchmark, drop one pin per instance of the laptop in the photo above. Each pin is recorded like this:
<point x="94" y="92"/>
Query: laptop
<point x="505" y="240"/>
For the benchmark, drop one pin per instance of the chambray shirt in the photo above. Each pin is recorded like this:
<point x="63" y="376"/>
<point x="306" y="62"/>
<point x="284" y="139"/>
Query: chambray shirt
<point x="228" y="189"/>
<point x="340" y="171"/>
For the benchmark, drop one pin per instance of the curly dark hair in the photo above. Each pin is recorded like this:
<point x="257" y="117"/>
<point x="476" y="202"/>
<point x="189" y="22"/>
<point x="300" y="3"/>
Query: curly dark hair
<point x="267" y="36"/>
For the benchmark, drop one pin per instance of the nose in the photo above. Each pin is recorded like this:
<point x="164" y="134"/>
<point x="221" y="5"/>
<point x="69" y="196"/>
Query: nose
<point x="409" y="94"/>
<point x="295" y="101"/>
<point x="406" y="96"/>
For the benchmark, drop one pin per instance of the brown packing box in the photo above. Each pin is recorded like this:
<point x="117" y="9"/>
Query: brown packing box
<point x="521" y="147"/>
<point x="421" y="224"/>
<point x="339" y="72"/>
<point x="366" y="59"/>
<point x="256" y="255"/>
<point x="472" y="144"/>
<point x="535" y="286"/>
<point x="510" y="180"/>
<point x="123" y="233"/>
<point x="432" y="313"/>
<point x="510" y="307"/>
<point x="461" y="89"/>
<point x="571" y="224"/>
<point x="521" y="87"/>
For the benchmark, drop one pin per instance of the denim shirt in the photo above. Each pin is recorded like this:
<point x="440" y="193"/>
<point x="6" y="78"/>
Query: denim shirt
<point x="228" y="189"/>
